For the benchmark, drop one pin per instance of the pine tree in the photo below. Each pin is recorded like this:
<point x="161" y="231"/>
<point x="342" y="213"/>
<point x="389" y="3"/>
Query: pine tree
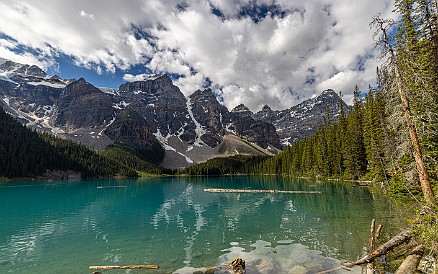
<point x="373" y="132"/>
<point x="354" y="154"/>
<point x="398" y="68"/>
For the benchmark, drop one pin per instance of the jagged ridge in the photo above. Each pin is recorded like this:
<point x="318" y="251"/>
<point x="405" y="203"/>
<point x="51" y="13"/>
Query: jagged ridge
<point x="190" y="129"/>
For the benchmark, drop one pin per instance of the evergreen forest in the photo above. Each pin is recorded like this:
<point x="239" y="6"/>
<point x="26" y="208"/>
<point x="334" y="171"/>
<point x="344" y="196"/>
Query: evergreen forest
<point x="28" y="154"/>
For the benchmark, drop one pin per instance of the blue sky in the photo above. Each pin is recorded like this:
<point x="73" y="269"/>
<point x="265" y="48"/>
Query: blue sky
<point x="66" y="68"/>
<point x="256" y="52"/>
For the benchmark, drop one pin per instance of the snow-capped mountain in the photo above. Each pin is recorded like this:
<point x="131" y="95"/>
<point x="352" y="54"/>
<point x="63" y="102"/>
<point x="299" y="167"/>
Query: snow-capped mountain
<point x="139" y="114"/>
<point x="153" y="112"/>
<point x="303" y="119"/>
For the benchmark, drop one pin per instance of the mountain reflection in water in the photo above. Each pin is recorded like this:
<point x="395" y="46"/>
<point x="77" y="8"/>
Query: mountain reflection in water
<point x="173" y="223"/>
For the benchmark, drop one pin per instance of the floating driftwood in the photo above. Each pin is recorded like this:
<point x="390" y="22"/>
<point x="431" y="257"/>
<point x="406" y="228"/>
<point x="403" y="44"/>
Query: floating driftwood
<point x="112" y="186"/>
<point x="228" y="190"/>
<point x="124" y="266"/>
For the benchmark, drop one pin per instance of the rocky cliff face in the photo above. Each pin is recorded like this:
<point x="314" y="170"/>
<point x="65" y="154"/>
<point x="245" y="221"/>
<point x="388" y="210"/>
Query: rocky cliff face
<point x="211" y="116"/>
<point x="216" y="120"/>
<point x="302" y="120"/>
<point x="81" y="105"/>
<point x="130" y="129"/>
<point x="162" y="105"/>
<point x="28" y="92"/>
<point x="252" y="129"/>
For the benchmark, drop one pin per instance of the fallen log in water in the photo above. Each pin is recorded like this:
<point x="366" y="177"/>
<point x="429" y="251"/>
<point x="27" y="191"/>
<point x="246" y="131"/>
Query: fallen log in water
<point x="124" y="267"/>
<point x="397" y="240"/>
<point x="227" y="190"/>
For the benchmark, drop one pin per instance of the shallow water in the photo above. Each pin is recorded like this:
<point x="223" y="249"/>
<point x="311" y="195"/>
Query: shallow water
<point x="64" y="227"/>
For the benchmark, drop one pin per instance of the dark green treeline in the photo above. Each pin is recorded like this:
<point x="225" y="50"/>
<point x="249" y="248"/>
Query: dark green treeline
<point x="26" y="153"/>
<point x="350" y="149"/>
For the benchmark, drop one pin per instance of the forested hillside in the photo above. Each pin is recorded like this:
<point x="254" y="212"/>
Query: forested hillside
<point x="25" y="153"/>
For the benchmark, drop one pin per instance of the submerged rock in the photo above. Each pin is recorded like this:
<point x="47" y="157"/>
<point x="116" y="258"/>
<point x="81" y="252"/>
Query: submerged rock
<point x="298" y="270"/>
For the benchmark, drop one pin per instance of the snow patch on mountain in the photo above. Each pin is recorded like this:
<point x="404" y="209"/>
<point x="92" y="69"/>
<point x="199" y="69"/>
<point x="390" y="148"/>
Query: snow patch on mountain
<point x="4" y="78"/>
<point x="111" y="91"/>
<point x="110" y="123"/>
<point x="2" y="61"/>
<point x="45" y="83"/>
<point x="165" y="143"/>
<point x="199" y="130"/>
<point x="121" y="105"/>
<point x="6" y="100"/>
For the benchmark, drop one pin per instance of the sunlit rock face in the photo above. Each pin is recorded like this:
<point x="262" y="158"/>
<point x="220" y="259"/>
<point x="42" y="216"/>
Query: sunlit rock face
<point x="216" y="120"/>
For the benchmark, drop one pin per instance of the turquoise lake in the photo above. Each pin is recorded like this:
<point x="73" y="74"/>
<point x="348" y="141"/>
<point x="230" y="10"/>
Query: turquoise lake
<point x="64" y="227"/>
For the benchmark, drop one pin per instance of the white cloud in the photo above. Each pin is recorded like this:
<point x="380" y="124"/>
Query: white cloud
<point x="281" y="60"/>
<point x="86" y="14"/>
<point x="132" y="78"/>
<point x="8" y="51"/>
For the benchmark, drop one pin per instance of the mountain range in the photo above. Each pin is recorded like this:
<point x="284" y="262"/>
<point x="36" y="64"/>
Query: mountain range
<point x="147" y="114"/>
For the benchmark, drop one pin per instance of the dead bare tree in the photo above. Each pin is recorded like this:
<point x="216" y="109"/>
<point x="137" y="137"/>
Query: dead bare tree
<point x="382" y="26"/>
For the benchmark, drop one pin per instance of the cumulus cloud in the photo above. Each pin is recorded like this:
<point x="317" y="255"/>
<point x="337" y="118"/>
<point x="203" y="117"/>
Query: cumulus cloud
<point x="276" y="52"/>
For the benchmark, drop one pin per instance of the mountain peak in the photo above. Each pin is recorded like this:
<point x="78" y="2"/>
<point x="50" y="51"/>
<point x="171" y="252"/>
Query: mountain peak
<point x="241" y="108"/>
<point x="266" y="108"/>
<point x="80" y="86"/>
<point x="328" y="92"/>
<point x="202" y="93"/>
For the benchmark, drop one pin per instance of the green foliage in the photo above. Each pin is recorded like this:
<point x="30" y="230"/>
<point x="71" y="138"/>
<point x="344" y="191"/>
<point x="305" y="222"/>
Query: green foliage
<point x="418" y="58"/>
<point x="354" y="152"/>
<point x="240" y="164"/>
<point x="91" y="164"/>
<point x="26" y="153"/>
<point x="153" y="154"/>
<point x="426" y="227"/>
<point x="130" y="158"/>
<point x="374" y="134"/>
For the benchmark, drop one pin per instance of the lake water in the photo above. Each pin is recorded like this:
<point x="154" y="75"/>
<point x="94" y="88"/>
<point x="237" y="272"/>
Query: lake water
<point x="64" y="227"/>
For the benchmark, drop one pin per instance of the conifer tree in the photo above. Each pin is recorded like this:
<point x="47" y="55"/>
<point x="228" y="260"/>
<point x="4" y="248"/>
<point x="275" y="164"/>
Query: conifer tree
<point x="402" y="86"/>
<point x="355" y="162"/>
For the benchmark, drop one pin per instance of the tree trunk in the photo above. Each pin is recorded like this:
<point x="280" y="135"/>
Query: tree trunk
<point x="370" y="265"/>
<point x="410" y="264"/>
<point x="418" y="155"/>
